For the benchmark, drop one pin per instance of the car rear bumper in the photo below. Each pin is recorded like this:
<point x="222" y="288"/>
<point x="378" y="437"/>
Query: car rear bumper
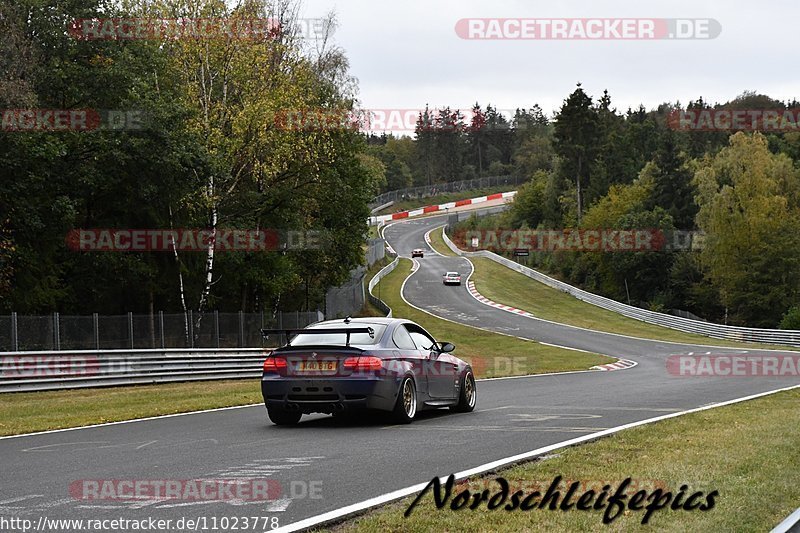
<point x="329" y="395"/>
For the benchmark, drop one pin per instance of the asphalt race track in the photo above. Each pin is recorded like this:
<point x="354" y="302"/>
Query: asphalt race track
<point x="322" y="464"/>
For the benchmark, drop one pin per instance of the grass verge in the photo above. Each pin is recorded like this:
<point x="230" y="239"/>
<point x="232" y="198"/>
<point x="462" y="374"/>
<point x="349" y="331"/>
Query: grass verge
<point x="25" y="412"/>
<point x="503" y="285"/>
<point x="437" y="242"/>
<point x="721" y="449"/>
<point x="443" y="198"/>
<point x="519" y="356"/>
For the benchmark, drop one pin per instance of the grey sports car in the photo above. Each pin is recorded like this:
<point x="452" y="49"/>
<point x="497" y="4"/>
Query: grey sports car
<point x="386" y="364"/>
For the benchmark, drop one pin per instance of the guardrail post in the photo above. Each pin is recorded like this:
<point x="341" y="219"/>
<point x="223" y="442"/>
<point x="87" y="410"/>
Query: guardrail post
<point x="216" y="327"/>
<point x="14" y="333"/>
<point x="56" y="333"/>
<point x="191" y="330"/>
<point x="130" y="329"/>
<point x="96" y="330"/>
<point x="161" y="327"/>
<point x="241" y="329"/>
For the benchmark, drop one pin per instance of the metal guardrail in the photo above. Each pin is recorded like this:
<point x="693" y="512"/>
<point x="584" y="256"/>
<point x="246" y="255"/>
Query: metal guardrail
<point x="40" y="371"/>
<point x="381" y="207"/>
<point x="377" y="302"/>
<point x="716" y="331"/>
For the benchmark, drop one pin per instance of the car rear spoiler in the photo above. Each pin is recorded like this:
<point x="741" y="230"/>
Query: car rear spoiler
<point x="318" y="331"/>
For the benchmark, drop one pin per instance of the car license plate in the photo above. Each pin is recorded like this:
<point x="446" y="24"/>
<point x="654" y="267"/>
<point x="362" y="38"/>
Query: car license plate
<point x="317" y="366"/>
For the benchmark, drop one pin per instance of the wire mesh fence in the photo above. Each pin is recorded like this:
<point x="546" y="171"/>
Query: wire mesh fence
<point x="438" y="188"/>
<point x="137" y="332"/>
<point x="376" y="250"/>
<point x="347" y="299"/>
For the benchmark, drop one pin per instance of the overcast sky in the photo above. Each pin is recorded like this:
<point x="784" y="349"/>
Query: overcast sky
<point x="407" y="53"/>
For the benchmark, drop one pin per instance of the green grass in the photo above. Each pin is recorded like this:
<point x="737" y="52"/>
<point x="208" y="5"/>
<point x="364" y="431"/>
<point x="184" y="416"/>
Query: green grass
<point x="503" y="285"/>
<point x="443" y="198"/>
<point x="24" y="412"/>
<point x="723" y="449"/>
<point x="482" y="348"/>
<point x="437" y="242"/>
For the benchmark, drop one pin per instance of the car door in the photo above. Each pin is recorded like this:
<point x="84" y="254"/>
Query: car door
<point x="409" y="352"/>
<point x="441" y="370"/>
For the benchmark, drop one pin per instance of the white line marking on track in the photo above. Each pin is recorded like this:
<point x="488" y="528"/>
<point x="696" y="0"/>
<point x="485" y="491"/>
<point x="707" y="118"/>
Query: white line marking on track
<point x="348" y="510"/>
<point x="21" y="498"/>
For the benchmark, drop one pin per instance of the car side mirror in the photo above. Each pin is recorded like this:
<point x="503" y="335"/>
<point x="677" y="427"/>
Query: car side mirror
<point x="446" y="347"/>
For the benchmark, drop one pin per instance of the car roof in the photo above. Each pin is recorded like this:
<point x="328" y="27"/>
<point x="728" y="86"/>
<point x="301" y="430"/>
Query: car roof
<point x="451" y="272"/>
<point x="340" y="322"/>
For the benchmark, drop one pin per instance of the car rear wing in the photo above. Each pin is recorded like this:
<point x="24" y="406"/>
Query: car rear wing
<point x="265" y="333"/>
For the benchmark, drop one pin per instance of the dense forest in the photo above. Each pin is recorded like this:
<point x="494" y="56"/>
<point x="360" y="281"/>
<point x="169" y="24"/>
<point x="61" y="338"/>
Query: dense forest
<point x="591" y="166"/>
<point x="205" y="153"/>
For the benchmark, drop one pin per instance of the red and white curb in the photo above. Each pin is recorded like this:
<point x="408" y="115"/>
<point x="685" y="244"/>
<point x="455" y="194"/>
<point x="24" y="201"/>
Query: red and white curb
<point x="430" y="244"/>
<point x="486" y="301"/>
<point x="621" y="364"/>
<point x="441" y="207"/>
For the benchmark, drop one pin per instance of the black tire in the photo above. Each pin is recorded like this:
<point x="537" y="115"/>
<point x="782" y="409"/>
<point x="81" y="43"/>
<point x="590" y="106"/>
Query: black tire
<point x="405" y="408"/>
<point x="282" y="417"/>
<point x="468" y="396"/>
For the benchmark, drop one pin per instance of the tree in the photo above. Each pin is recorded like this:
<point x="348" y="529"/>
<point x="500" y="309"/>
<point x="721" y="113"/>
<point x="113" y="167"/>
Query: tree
<point x="426" y="147"/>
<point x="210" y="155"/>
<point x="672" y="188"/>
<point x="575" y="137"/>
<point x="528" y="207"/>
<point x="749" y="210"/>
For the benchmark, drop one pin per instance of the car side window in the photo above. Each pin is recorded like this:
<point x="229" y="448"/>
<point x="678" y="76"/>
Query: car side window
<point x="422" y="342"/>
<point x="421" y="339"/>
<point x="402" y="339"/>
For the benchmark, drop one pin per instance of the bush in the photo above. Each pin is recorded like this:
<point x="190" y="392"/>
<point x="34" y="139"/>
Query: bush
<point x="791" y="319"/>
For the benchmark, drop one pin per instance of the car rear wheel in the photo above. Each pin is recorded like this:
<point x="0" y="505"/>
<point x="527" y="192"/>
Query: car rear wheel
<point x="282" y="417"/>
<point x="405" y="408"/>
<point x="468" y="396"/>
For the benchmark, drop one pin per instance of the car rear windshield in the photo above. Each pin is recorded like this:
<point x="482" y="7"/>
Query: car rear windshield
<point x="339" y="339"/>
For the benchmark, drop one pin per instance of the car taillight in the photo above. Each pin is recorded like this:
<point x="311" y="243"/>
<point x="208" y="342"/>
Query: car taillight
<point x="274" y="364"/>
<point x="363" y="363"/>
